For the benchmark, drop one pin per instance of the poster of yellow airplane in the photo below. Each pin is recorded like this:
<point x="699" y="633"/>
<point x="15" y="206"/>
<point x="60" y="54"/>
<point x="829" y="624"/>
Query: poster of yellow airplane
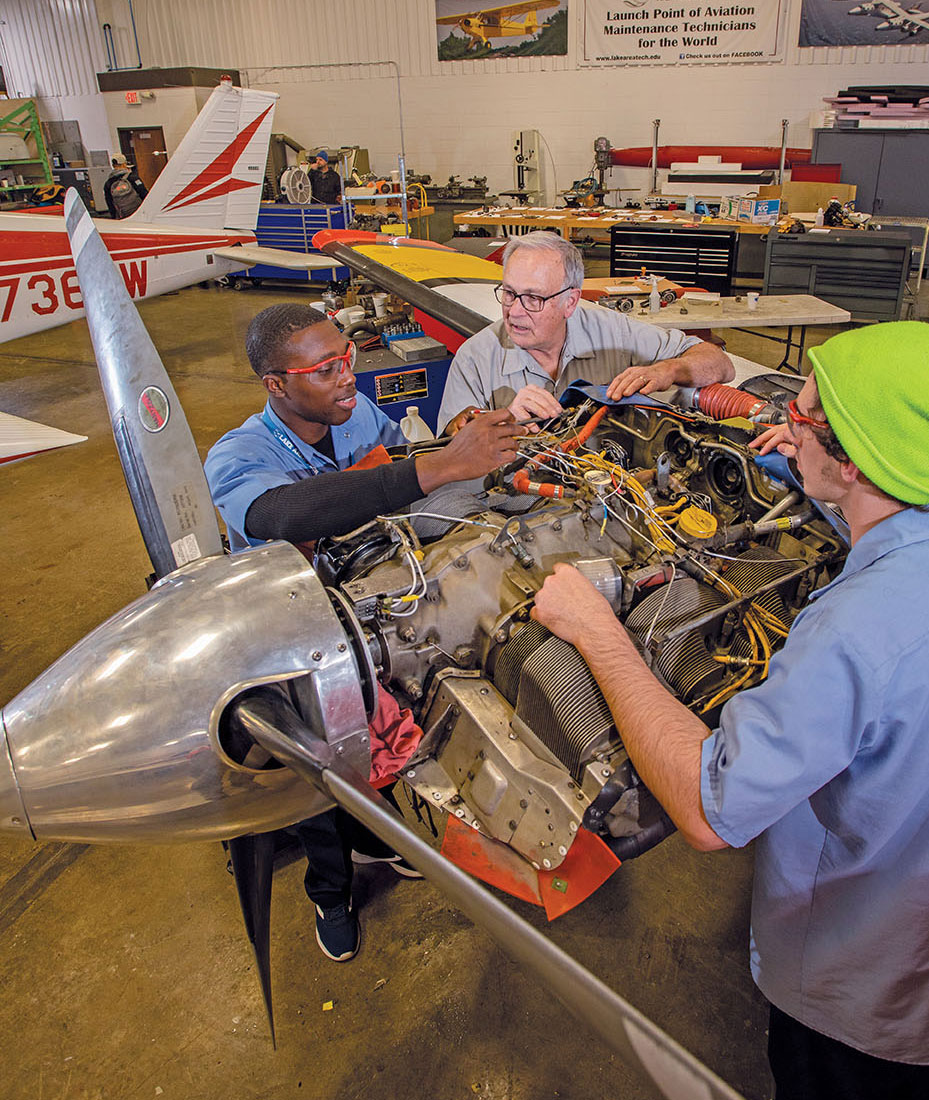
<point x="481" y="26"/>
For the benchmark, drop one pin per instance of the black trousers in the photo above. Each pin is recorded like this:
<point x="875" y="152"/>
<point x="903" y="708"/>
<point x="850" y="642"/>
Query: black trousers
<point x="810" y="1066"/>
<point x="328" y="840"/>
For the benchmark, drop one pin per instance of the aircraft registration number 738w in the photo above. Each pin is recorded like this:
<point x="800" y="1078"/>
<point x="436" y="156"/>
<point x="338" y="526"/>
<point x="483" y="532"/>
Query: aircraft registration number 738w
<point x="196" y="223"/>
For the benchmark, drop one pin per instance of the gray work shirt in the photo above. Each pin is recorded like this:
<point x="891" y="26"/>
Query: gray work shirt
<point x="489" y="369"/>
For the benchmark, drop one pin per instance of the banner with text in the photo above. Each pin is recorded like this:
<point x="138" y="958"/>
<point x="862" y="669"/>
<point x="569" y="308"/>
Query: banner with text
<point x="619" y="33"/>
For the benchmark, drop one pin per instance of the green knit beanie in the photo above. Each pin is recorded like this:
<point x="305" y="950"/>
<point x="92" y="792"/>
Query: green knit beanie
<point x="874" y="388"/>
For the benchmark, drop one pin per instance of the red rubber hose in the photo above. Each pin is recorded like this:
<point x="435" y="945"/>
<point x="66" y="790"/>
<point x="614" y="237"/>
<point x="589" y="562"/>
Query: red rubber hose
<point x="722" y="402"/>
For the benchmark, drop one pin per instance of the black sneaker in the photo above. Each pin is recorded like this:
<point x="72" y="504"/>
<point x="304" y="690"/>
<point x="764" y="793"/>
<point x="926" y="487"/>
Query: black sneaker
<point x="394" y="862"/>
<point x="338" y="932"/>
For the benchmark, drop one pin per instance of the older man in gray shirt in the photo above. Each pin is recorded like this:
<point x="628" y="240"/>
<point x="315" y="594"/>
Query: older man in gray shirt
<point x="545" y="342"/>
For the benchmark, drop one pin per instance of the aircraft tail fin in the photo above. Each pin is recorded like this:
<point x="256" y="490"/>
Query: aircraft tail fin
<point x="215" y="177"/>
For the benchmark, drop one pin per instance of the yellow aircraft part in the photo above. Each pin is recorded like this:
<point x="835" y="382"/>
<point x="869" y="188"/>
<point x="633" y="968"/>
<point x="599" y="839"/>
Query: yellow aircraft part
<point x="697" y="522"/>
<point x="425" y="264"/>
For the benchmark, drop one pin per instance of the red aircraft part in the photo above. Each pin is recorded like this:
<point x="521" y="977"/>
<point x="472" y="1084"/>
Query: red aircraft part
<point x="749" y="156"/>
<point x="721" y="402"/>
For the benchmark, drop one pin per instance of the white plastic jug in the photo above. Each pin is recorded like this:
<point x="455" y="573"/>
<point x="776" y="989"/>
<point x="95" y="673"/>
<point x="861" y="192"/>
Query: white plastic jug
<point x="654" y="298"/>
<point x="414" y="428"/>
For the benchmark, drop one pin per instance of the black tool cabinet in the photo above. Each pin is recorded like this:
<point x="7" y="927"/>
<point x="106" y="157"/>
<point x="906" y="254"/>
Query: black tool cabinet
<point x="704" y="258"/>
<point x="861" y="271"/>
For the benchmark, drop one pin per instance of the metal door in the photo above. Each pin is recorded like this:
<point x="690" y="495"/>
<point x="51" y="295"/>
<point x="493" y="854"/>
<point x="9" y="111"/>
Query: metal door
<point x="144" y="146"/>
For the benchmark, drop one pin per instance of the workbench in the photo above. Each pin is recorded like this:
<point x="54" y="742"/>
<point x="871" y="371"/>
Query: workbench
<point x="569" y="221"/>
<point x="788" y="311"/>
<point x="420" y="215"/>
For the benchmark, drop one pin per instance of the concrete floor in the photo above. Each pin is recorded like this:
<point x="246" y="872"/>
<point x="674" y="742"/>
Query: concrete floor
<point x="126" y="973"/>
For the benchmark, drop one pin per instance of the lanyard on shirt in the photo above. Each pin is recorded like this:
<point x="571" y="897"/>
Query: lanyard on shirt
<point x="286" y="442"/>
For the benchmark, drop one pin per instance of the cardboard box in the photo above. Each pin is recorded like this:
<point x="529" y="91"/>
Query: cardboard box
<point x="806" y="195"/>
<point x="759" y="211"/>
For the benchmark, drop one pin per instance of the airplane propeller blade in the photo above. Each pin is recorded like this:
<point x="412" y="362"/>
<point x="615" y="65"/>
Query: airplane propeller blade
<point x="269" y="719"/>
<point x="169" y="493"/>
<point x="252" y="864"/>
<point x="157" y="451"/>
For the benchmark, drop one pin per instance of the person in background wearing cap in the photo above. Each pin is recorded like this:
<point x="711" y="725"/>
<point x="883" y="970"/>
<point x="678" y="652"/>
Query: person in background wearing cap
<point x="826" y="763"/>
<point x="123" y="189"/>
<point x="326" y="184"/>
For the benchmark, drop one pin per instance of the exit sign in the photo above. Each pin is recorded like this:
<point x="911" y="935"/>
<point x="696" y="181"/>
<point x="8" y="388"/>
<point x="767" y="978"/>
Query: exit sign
<point x="132" y="97"/>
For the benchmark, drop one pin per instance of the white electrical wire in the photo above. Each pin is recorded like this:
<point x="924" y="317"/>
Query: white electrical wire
<point x="436" y="515"/>
<point x="653" y="623"/>
<point x="626" y="523"/>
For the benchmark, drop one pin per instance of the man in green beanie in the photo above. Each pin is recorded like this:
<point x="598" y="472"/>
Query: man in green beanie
<point x="826" y="763"/>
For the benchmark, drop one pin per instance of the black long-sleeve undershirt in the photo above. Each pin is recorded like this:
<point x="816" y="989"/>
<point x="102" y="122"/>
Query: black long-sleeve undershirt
<point x="332" y="504"/>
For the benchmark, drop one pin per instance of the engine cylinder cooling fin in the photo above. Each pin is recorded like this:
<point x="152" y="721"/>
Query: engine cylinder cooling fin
<point x="755" y="569"/>
<point x="683" y="661"/>
<point x="553" y="691"/>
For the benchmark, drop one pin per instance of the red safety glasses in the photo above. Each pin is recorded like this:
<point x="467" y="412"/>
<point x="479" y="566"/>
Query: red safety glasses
<point x="796" y="417"/>
<point x="327" y="368"/>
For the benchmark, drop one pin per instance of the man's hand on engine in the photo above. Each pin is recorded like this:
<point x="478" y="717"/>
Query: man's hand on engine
<point x="569" y="606"/>
<point x="645" y="380"/>
<point x="454" y="426"/>
<point x="484" y="443"/>
<point x="777" y="438"/>
<point x="533" y="401"/>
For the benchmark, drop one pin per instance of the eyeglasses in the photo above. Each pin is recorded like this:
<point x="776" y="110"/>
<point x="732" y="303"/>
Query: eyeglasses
<point x="532" y="303"/>
<point x="796" y="417"/>
<point x="327" y="368"/>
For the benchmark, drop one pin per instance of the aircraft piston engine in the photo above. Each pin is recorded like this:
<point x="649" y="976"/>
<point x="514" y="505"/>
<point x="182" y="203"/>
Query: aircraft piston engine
<point x="126" y="737"/>
<point x="518" y="740"/>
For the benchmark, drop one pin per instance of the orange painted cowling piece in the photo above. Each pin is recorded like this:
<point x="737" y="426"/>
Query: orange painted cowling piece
<point x="586" y="867"/>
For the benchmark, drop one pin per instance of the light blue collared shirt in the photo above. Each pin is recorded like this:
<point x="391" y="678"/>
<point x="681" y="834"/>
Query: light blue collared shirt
<point x="827" y="763"/>
<point x="250" y="460"/>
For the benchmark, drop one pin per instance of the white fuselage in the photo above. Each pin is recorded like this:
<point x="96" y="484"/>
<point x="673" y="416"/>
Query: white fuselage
<point x="38" y="284"/>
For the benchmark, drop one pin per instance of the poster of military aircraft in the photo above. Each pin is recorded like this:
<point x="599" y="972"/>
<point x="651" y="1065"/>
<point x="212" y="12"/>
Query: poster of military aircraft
<point x="894" y="17"/>
<point x="480" y="28"/>
<point x="840" y="23"/>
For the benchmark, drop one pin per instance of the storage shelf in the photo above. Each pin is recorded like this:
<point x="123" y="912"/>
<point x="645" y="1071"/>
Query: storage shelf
<point x="22" y="119"/>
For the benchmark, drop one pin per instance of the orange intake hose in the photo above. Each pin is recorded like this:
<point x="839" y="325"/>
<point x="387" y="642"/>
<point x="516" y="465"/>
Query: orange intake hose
<point x="722" y="402"/>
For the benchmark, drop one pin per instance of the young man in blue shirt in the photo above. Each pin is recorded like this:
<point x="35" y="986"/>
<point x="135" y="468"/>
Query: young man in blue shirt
<point x="825" y="763"/>
<point x="284" y="474"/>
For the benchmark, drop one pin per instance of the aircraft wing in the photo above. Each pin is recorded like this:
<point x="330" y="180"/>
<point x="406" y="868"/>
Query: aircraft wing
<point x="916" y="21"/>
<point x="506" y="11"/>
<point x="443" y="284"/>
<point x="21" y="438"/>
<point x="251" y="254"/>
